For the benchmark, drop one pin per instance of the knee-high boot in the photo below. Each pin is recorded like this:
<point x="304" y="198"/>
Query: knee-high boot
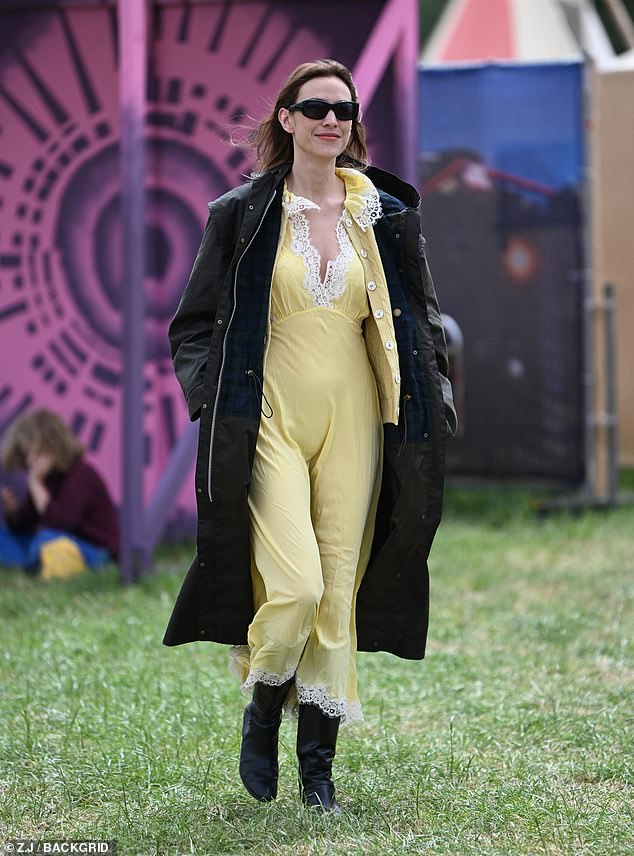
<point x="316" y="746"/>
<point x="260" y="729"/>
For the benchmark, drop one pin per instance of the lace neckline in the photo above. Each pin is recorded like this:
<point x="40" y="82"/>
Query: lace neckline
<point x="362" y="203"/>
<point x="324" y="292"/>
<point x="362" y="198"/>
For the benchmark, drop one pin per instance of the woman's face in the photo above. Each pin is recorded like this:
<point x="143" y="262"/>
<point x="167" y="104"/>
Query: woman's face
<point x="323" y="138"/>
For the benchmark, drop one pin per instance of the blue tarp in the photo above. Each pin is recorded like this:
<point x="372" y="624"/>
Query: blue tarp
<point x="501" y="175"/>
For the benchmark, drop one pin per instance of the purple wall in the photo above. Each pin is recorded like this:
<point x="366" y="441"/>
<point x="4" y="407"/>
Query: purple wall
<point x="212" y="67"/>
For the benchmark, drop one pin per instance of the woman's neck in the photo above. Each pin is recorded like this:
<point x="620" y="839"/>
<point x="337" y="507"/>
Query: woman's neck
<point x="316" y="181"/>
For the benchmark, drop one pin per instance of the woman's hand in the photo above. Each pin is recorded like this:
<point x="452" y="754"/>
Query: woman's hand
<point x="40" y="465"/>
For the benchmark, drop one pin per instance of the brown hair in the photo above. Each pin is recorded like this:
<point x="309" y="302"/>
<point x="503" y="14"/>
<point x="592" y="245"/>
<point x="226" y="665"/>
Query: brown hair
<point x="274" y="146"/>
<point x="39" y="431"/>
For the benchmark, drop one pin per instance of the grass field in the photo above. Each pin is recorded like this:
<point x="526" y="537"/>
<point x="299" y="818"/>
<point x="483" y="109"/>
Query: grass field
<point x="514" y="736"/>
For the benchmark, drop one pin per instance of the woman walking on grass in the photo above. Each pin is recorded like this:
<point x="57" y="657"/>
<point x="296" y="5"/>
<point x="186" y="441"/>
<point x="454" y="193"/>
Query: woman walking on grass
<point x="309" y="343"/>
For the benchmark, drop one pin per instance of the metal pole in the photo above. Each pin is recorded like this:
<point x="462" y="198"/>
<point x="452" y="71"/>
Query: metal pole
<point x="132" y="83"/>
<point x="394" y="38"/>
<point x="590" y="426"/>
<point x="171" y="481"/>
<point x="407" y="90"/>
<point x="611" y="394"/>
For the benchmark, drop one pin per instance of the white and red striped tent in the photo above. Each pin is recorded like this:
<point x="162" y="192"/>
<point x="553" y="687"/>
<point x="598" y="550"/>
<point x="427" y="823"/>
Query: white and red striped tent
<point x="506" y="30"/>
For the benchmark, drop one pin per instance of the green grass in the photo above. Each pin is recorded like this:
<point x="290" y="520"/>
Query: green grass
<point x="514" y="736"/>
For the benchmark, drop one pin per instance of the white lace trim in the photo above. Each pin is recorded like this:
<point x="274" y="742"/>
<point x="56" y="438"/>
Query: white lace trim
<point x="262" y="677"/>
<point x="334" y="283"/>
<point x="348" y="712"/>
<point x="296" y="204"/>
<point x="371" y="211"/>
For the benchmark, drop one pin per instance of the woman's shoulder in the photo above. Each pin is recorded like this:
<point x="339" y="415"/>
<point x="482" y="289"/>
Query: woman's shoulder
<point x="227" y="211"/>
<point x="238" y="196"/>
<point x="82" y="470"/>
<point x="391" y="204"/>
<point x="396" y="194"/>
<point x="393" y="194"/>
<point x="231" y="198"/>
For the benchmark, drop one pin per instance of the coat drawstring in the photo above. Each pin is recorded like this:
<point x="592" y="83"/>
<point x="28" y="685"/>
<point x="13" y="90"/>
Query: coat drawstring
<point x="406" y="398"/>
<point x="260" y="391"/>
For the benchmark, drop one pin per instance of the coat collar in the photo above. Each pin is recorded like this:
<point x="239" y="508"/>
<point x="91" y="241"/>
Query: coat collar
<point x="385" y="181"/>
<point x="389" y="183"/>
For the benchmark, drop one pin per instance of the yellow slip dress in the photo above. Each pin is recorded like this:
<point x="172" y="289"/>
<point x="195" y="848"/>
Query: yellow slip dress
<point x="316" y="472"/>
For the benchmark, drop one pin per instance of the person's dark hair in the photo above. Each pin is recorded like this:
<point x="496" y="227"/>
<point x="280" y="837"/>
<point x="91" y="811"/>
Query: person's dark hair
<point x="39" y="431"/>
<point x="274" y="146"/>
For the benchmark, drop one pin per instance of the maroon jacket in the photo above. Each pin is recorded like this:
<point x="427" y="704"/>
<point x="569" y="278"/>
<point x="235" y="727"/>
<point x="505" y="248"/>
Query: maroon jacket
<point x="80" y="505"/>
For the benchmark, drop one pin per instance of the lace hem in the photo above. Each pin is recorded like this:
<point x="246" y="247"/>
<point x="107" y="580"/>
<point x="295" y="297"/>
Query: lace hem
<point x="239" y="667"/>
<point x="348" y="712"/>
<point x="269" y="678"/>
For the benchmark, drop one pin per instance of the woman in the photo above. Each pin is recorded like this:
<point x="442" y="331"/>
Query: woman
<point x="66" y="520"/>
<point x="309" y="320"/>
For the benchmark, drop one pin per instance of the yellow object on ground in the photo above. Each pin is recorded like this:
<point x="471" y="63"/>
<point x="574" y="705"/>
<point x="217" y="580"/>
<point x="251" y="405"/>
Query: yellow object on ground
<point x="60" y="559"/>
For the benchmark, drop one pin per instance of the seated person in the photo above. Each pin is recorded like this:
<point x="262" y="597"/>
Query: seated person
<point x="66" y="520"/>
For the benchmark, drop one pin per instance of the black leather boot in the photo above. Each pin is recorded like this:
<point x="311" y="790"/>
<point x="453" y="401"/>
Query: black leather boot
<point x="316" y="746"/>
<point x="260" y="729"/>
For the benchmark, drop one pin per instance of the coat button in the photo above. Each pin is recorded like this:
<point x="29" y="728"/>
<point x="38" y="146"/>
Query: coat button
<point x="204" y="407"/>
<point x="199" y="490"/>
<point x="201" y="564"/>
<point x="397" y="377"/>
<point x="389" y="345"/>
<point x="348" y="222"/>
<point x="397" y="235"/>
<point x="219" y="321"/>
<point x="396" y="312"/>
<point x="202" y="632"/>
<point x="415" y="353"/>
<point x="371" y="285"/>
<point x="363" y="254"/>
<point x="250" y="207"/>
<point x="378" y="313"/>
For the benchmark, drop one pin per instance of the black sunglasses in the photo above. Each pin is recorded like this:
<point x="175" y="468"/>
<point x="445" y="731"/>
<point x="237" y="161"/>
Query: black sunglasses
<point x="317" y="108"/>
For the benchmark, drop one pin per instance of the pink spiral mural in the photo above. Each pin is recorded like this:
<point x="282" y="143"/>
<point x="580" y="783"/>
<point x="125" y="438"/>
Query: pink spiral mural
<point x="213" y="68"/>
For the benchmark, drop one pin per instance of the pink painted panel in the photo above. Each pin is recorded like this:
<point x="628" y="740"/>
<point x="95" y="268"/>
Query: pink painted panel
<point x="213" y="68"/>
